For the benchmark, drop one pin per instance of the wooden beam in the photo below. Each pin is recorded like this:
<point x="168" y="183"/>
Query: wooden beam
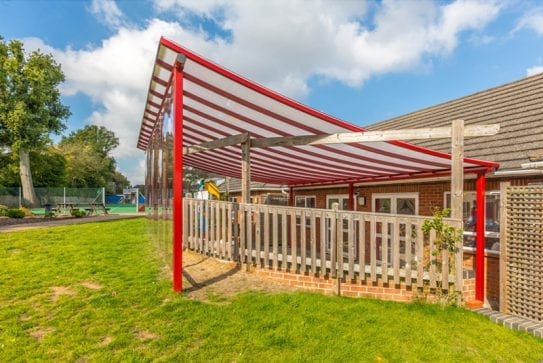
<point x="246" y="172"/>
<point x="343" y="138"/>
<point x="457" y="194"/>
<point x="216" y="144"/>
<point x="373" y="136"/>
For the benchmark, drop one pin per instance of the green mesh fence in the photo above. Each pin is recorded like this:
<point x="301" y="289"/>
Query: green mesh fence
<point x="10" y="197"/>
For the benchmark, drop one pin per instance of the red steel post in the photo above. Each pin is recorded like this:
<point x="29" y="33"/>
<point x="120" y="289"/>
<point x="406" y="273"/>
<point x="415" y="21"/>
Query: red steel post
<point x="480" y="238"/>
<point x="177" y="239"/>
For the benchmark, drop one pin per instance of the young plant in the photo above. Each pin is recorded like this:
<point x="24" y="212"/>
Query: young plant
<point x="446" y="238"/>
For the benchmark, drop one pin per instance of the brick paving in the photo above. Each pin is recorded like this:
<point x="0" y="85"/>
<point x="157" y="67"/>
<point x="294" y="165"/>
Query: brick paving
<point x="513" y="322"/>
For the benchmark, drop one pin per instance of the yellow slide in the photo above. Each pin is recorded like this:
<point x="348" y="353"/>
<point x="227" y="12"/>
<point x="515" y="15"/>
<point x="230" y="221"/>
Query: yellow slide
<point x="213" y="190"/>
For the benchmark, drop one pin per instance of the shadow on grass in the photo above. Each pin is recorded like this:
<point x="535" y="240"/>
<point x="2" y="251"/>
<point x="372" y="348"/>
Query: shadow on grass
<point x="199" y="285"/>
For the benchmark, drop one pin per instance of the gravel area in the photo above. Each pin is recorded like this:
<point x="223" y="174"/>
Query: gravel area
<point x="212" y="280"/>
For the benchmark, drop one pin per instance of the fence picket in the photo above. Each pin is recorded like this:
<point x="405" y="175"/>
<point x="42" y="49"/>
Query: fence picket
<point x="258" y="236"/>
<point x="408" y="250"/>
<point x="266" y="261"/>
<point x="302" y="241"/>
<point x="323" y="243"/>
<point x="229" y="224"/>
<point x="275" y="229"/>
<point x="350" y="245"/>
<point x="420" y="256"/>
<point x="384" y="251"/>
<point x="432" y="259"/>
<point x="362" y="247"/>
<point x="284" y="234"/>
<point x="242" y="234"/>
<point x="396" y="251"/>
<point x="293" y="242"/>
<point x="249" y="235"/>
<point x="373" y="249"/>
<point x="313" y="242"/>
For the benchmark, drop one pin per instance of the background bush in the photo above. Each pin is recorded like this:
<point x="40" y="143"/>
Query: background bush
<point x="15" y="213"/>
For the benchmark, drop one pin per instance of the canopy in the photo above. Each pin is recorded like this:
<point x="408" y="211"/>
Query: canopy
<point x="218" y="103"/>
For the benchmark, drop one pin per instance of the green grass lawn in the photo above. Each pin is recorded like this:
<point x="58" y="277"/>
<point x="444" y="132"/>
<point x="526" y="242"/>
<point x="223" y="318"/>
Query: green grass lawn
<point x="95" y="292"/>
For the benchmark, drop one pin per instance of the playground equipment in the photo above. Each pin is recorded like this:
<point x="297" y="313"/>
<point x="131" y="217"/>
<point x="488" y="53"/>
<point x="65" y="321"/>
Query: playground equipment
<point x="207" y="189"/>
<point x="213" y="189"/>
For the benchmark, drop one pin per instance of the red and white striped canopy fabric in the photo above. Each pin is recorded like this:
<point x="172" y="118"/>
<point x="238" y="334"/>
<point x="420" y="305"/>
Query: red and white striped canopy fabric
<point x="218" y="103"/>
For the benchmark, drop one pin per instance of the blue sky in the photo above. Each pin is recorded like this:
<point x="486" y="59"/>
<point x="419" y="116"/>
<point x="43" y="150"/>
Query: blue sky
<point x="360" y="61"/>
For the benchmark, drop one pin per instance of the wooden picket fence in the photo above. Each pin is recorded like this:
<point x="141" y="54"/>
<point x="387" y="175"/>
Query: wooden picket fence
<point x="352" y="245"/>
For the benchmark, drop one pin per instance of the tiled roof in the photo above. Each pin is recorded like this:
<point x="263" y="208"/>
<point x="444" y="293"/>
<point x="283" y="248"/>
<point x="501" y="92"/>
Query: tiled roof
<point x="516" y="106"/>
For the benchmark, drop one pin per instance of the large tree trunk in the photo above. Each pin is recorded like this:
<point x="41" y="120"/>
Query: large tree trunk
<point x="29" y="196"/>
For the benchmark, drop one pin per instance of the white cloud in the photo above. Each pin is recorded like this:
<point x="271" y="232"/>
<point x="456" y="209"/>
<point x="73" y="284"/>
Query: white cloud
<point x="281" y="44"/>
<point x="108" y="13"/>
<point x="532" y="20"/>
<point x="534" y="70"/>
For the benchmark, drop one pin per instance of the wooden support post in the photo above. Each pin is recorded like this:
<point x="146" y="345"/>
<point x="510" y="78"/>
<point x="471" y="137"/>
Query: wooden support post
<point x="246" y="172"/>
<point x="351" y="196"/>
<point x="503" y="246"/>
<point x="457" y="195"/>
<point x="291" y="197"/>
<point x="480" y="238"/>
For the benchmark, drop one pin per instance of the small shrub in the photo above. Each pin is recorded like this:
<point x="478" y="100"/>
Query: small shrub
<point x="26" y="211"/>
<point x="50" y="215"/>
<point x="15" y="213"/>
<point x="3" y="210"/>
<point x="77" y="213"/>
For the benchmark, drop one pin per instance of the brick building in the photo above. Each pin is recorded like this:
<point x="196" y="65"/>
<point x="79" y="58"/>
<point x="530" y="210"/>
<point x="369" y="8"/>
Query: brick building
<point x="518" y="147"/>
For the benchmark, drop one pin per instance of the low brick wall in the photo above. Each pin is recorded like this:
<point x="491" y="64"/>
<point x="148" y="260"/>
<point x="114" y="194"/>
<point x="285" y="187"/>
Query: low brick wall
<point x="492" y="275"/>
<point x="355" y="288"/>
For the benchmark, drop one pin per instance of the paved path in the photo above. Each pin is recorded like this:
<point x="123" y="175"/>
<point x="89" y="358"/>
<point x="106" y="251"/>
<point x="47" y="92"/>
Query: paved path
<point x="513" y="322"/>
<point x="63" y="221"/>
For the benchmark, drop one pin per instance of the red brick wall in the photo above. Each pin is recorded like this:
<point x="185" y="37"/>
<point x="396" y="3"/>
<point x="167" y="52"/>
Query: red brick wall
<point x="326" y="285"/>
<point x="492" y="275"/>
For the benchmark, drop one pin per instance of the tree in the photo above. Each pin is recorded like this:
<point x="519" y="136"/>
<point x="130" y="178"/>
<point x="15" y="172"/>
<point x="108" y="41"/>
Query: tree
<point x="88" y="163"/>
<point x="30" y="106"/>
<point x="100" y="138"/>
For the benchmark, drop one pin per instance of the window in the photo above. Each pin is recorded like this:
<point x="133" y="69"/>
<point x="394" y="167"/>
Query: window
<point x="305" y="201"/>
<point x="399" y="203"/>
<point x="492" y="218"/>
<point x="342" y="200"/>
